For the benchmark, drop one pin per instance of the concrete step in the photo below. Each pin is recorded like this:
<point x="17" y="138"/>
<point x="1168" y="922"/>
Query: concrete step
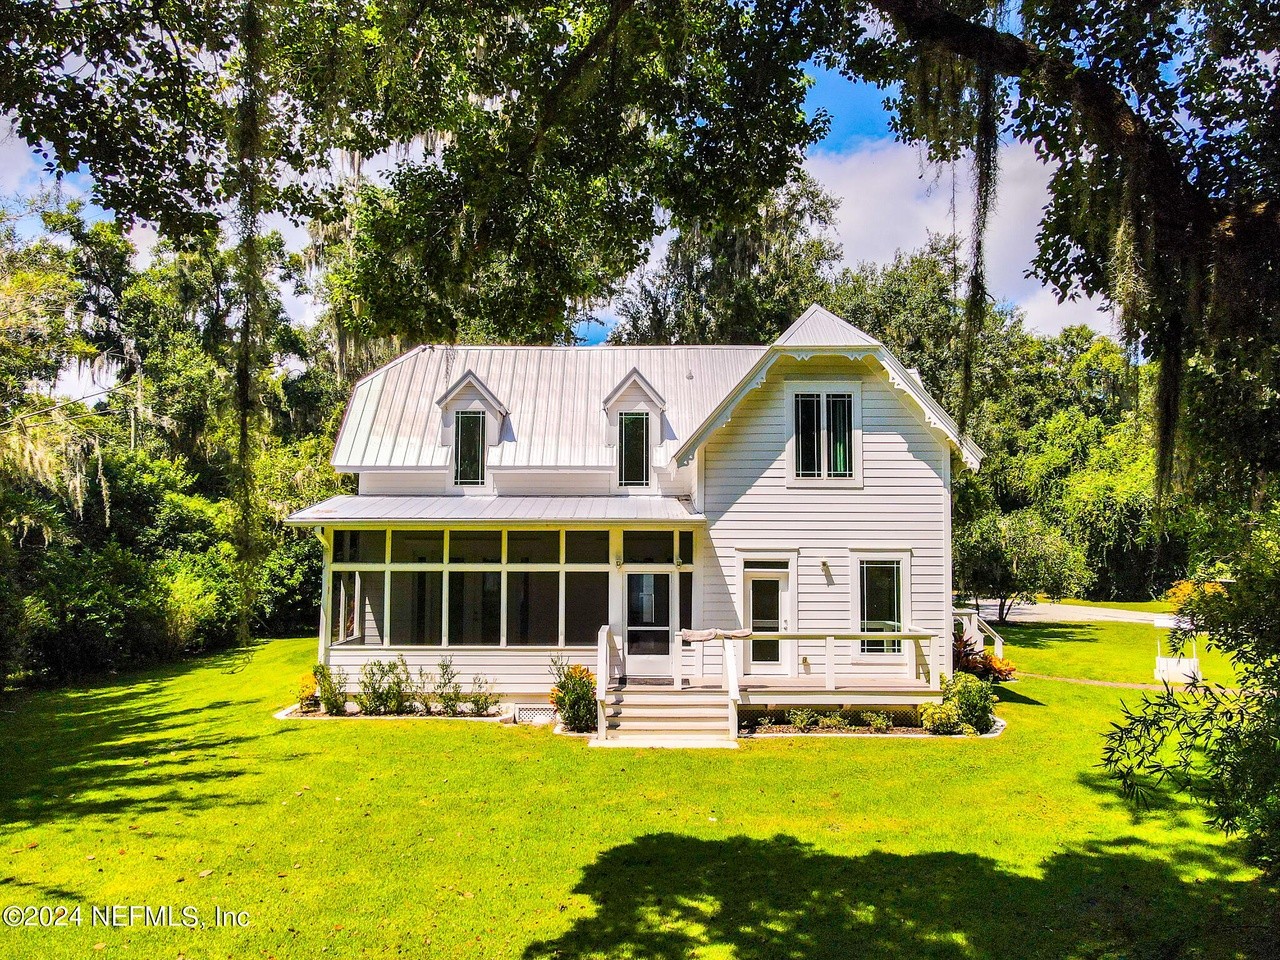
<point x="673" y="698"/>
<point x="666" y="710"/>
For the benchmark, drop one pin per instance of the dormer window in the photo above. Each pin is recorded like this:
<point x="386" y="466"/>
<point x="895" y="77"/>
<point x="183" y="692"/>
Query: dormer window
<point x="634" y="414"/>
<point x="826" y="434"/>
<point x="471" y="421"/>
<point x="633" y="449"/>
<point x="469" y="448"/>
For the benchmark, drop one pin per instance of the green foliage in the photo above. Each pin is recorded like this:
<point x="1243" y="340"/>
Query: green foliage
<point x="331" y="689"/>
<point x="1218" y="743"/>
<point x="942" y="719"/>
<point x="481" y="698"/>
<point x="385" y="687"/>
<point x="802" y="718"/>
<point x="445" y="689"/>
<point x="1013" y="558"/>
<point x="741" y="281"/>
<point x="832" y="721"/>
<point x="878" y="721"/>
<point x="574" y="695"/>
<point x="973" y="699"/>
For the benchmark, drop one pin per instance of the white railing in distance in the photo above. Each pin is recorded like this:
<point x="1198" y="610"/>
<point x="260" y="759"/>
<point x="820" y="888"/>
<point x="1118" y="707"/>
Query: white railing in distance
<point x="604" y="641"/>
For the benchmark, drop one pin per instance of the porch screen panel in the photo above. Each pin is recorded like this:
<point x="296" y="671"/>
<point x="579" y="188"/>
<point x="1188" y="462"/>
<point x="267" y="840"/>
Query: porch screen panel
<point x="475" y="546"/>
<point x="533" y="608"/>
<point x="840" y="435"/>
<point x="533" y="546"/>
<point x="648" y="546"/>
<point x="468" y="447"/>
<point x="686" y="602"/>
<point x="417" y="546"/>
<point x="881" y="596"/>
<point x="586" y="546"/>
<point x="475" y="608"/>
<point x="808" y="423"/>
<point x="359" y="546"/>
<point x="416" y="608"/>
<point x="586" y="607"/>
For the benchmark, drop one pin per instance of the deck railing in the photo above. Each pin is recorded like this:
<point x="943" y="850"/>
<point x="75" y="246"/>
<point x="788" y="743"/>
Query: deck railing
<point x="831" y="659"/>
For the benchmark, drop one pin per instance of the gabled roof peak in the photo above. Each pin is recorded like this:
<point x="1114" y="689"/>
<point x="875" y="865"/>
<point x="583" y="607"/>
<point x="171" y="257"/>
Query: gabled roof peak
<point x="819" y="327"/>
<point x="637" y="378"/>
<point x="470" y="379"/>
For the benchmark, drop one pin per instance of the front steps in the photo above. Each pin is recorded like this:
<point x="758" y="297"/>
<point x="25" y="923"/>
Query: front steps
<point x="644" y="716"/>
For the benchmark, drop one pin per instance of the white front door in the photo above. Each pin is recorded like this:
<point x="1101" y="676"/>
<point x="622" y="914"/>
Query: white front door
<point x="649" y="620"/>
<point x="768" y="613"/>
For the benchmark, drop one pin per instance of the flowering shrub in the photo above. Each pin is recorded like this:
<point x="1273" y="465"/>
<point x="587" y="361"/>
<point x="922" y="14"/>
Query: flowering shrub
<point x="574" y="695"/>
<point x="307" y="691"/>
<point x="941" y="718"/>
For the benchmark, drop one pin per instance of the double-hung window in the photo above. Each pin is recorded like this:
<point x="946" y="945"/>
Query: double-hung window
<point x="633" y="449"/>
<point x="826" y="435"/>
<point x="468" y="448"/>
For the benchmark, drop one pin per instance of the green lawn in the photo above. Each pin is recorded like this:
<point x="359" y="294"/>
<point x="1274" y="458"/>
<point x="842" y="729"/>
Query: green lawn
<point x="1120" y="652"/>
<point x="1140" y="606"/>
<point x="438" y="839"/>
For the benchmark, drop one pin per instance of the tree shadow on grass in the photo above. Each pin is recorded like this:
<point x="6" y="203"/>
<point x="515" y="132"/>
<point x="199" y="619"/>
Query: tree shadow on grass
<point x="1007" y="694"/>
<point x="125" y="746"/>
<point x="1044" y="636"/>
<point x="671" y="897"/>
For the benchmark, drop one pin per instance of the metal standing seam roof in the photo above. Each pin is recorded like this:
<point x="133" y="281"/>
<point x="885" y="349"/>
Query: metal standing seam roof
<point x="554" y="396"/>
<point x="367" y="508"/>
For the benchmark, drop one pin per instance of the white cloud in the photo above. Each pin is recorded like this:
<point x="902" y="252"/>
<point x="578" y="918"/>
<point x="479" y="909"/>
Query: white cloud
<point x="892" y="200"/>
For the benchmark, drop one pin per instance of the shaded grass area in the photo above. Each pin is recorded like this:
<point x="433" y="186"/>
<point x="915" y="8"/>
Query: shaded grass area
<point x="1118" y="652"/>
<point x="1138" y="606"/>
<point x="449" y="839"/>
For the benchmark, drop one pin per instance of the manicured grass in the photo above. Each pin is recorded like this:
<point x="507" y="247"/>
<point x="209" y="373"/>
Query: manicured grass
<point x="1138" y="606"/>
<point x="438" y="839"/>
<point x="1119" y="652"/>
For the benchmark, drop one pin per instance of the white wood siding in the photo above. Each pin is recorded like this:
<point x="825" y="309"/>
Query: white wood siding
<point x="512" y="670"/>
<point x="903" y="504"/>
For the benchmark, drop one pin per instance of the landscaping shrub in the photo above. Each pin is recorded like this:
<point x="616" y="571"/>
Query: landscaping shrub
<point x="941" y="718"/>
<point x="307" y="691"/>
<point x="385" y="687"/>
<point x="331" y="688"/>
<point x="574" y="695"/>
<point x="832" y="721"/>
<point x="802" y="718"/>
<point x="878" y="721"/>
<point x="984" y="665"/>
<point x="481" y="698"/>
<point x="973" y="699"/>
<point x="447" y="691"/>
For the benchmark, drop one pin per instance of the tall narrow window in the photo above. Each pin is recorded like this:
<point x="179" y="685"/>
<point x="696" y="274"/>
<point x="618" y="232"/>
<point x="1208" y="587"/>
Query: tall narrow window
<point x="808" y="435"/>
<point x="633" y="449"/>
<point x="840" y="435"/>
<point x="468" y="448"/>
<point x="881" y="596"/>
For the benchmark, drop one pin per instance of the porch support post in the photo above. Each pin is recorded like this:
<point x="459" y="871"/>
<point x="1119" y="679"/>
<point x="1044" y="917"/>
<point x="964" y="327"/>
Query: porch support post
<point x="829" y="663"/>
<point x="326" y="588"/>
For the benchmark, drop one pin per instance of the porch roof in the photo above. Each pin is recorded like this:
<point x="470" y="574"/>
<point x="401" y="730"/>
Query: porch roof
<point x="368" y="510"/>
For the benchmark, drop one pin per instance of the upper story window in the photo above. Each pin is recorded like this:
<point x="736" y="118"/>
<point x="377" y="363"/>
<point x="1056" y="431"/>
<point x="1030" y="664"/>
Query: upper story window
<point x="633" y="449"/>
<point x="469" y="448"/>
<point x="826" y="435"/>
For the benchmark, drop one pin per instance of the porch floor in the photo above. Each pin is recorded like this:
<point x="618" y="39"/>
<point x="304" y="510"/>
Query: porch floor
<point x="767" y="684"/>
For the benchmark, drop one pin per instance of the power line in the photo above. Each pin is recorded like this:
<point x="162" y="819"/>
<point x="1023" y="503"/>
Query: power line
<point x="64" y="403"/>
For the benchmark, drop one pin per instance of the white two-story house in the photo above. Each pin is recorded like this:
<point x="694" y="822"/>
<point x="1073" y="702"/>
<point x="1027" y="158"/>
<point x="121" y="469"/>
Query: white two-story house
<point x="522" y="503"/>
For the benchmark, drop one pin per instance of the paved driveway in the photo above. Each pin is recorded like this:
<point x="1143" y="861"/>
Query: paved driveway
<point x="1062" y="613"/>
